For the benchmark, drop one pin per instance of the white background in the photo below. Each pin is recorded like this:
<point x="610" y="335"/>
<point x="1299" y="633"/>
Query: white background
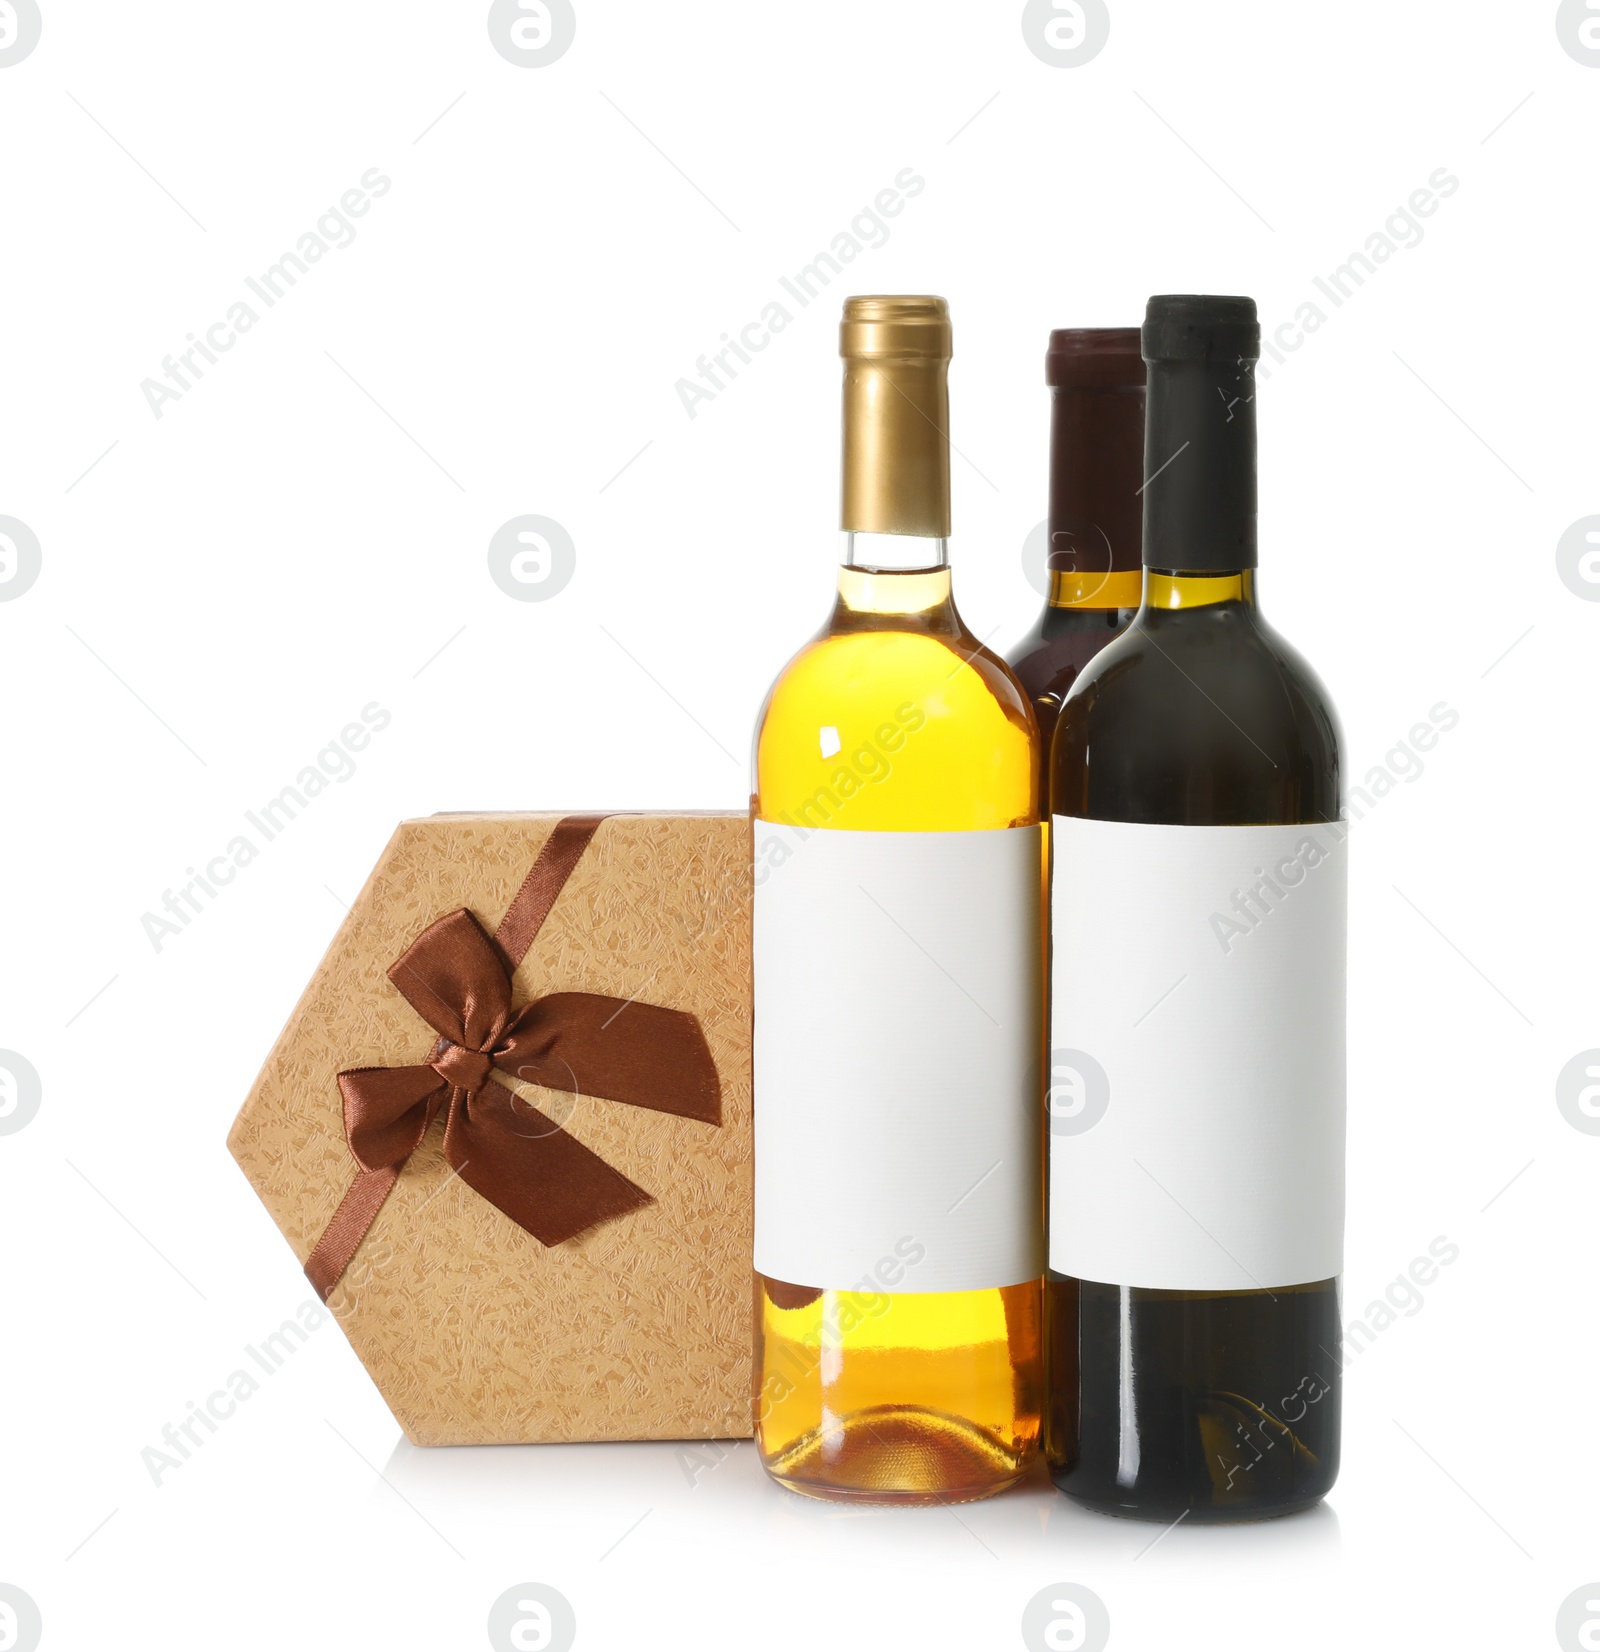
<point x="306" y="530"/>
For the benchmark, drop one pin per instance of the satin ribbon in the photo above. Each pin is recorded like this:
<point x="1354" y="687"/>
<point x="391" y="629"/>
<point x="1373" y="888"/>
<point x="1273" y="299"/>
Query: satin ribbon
<point x="458" y="979"/>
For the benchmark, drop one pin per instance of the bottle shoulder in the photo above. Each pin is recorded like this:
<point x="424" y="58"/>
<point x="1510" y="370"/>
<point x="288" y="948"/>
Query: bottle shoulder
<point x="1204" y="716"/>
<point x="1048" y="658"/>
<point x="908" y="727"/>
<point x="874" y="664"/>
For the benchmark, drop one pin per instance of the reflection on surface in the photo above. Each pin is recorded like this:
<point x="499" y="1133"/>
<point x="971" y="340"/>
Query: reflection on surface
<point x="694" y="1488"/>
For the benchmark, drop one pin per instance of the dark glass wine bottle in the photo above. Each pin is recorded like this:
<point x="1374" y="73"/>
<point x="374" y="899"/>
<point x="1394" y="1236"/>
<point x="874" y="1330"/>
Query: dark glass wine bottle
<point x="1196" y="1108"/>
<point x="1096" y="379"/>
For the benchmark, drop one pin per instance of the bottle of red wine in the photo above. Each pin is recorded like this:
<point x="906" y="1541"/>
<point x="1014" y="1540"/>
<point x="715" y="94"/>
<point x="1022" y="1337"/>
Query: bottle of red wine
<point x="1096" y="379"/>
<point x="1196" y="1102"/>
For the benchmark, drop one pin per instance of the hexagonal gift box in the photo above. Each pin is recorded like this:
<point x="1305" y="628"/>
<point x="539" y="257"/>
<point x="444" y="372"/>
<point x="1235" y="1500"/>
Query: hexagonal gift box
<point x="507" y="1128"/>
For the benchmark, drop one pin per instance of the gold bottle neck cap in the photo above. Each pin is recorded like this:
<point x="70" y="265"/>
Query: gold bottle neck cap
<point x="896" y="416"/>
<point x="895" y="329"/>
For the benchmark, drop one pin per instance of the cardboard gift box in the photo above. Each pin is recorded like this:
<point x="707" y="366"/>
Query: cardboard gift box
<point x="507" y="1128"/>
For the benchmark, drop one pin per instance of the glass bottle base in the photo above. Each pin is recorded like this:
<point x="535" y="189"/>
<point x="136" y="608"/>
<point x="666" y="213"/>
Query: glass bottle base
<point x="1192" y="1514"/>
<point x="905" y="1456"/>
<point x="1213" y="1407"/>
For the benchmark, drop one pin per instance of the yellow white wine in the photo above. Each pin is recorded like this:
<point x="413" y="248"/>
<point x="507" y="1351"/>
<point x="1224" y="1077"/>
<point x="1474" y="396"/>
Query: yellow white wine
<point x="893" y="749"/>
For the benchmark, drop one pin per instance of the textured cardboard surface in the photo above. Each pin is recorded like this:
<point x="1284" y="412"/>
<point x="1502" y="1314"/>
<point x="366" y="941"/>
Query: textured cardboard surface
<point x="473" y="1331"/>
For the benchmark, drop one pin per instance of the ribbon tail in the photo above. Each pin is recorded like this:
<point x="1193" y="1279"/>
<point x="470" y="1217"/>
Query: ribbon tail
<point x="549" y="1184"/>
<point x="643" y="1054"/>
<point x="342" y="1237"/>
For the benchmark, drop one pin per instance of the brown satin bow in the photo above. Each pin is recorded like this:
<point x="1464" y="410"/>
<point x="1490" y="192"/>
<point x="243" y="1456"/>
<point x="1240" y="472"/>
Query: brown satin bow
<point x="459" y="981"/>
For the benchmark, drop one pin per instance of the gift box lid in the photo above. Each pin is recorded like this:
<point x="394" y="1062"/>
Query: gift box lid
<point x="617" y="950"/>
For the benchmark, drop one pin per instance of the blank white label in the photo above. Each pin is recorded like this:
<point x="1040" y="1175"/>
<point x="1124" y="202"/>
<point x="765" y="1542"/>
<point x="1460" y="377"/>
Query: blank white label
<point x="898" y="1034"/>
<point x="1197" y="1083"/>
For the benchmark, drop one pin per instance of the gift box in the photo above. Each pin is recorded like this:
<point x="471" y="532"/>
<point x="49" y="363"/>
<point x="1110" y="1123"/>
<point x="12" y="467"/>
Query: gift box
<point x="507" y="1128"/>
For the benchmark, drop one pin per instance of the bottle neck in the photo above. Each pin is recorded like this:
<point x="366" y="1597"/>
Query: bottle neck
<point x="1200" y="466"/>
<point x="896" y="497"/>
<point x="894" y="552"/>
<point x="921" y="593"/>
<point x="1096" y="459"/>
<point x="896" y="430"/>
<point x="1121" y="588"/>
<point x="1166" y="592"/>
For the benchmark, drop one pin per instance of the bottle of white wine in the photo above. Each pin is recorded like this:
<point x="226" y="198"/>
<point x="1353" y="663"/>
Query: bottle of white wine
<point x="1197" y="1016"/>
<point x="898" y="992"/>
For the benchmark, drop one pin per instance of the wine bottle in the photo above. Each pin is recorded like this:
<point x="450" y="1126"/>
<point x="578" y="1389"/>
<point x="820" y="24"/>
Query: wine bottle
<point x="1196" y="1100"/>
<point x="1096" y="380"/>
<point x="899" y="997"/>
